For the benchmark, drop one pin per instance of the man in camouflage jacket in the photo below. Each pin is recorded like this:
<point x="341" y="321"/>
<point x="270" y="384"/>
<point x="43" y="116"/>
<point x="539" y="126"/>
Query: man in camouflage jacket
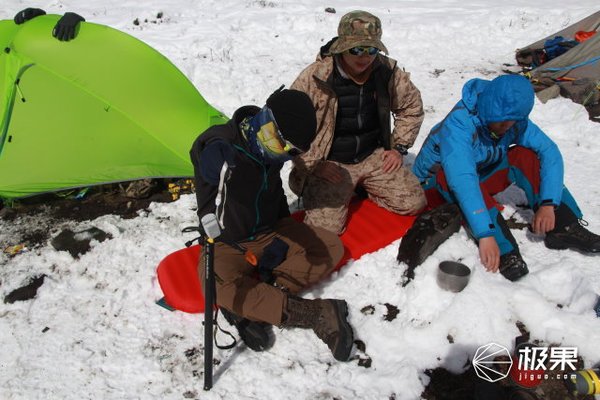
<point x="354" y="89"/>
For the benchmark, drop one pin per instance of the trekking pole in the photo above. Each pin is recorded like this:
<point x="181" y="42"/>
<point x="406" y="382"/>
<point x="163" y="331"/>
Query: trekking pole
<point x="212" y="230"/>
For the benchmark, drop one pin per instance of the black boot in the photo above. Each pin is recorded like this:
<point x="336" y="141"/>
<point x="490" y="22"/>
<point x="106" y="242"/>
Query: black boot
<point x="570" y="233"/>
<point x="327" y="318"/>
<point x="512" y="266"/>
<point x="573" y="236"/>
<point x="429" y="230"/>
<point x="258" y="336"/>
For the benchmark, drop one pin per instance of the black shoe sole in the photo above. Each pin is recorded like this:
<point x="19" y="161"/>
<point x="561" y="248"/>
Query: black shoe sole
<point x="559" y="244"/>
<point x="257" y="336"/>
<point x="514" y="274"/>
<point x="344" y="347"/>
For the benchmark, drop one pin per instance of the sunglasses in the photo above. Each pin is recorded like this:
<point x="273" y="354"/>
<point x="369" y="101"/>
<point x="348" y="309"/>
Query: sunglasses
<point x="360" y="50"/>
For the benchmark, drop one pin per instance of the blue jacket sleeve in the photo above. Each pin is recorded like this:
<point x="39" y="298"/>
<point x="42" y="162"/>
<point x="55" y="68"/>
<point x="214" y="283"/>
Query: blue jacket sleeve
<point x="551" y="162"/>
<point x="458" y="162"/>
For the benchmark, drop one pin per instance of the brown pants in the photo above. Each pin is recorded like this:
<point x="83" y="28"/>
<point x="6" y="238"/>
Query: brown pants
<point x="327" y="205"/>
<point x="313" y="253"/>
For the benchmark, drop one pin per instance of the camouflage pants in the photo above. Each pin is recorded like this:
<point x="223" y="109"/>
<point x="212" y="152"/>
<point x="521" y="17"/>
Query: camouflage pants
<point x="326" y="204"/>
<point x="312" y="255"/>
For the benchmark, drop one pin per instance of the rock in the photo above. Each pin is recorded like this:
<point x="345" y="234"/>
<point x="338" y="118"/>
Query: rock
<point x="548" y="93"/>
<point x="26" y="292"/>
<point x="78" y="243"/>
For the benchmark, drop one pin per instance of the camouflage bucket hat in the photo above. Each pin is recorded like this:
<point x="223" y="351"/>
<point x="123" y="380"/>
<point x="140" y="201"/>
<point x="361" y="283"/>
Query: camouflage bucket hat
<point x="358" y="28"/>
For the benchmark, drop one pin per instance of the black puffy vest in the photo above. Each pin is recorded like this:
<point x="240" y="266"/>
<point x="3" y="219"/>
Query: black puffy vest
<point x="357" y="127"/>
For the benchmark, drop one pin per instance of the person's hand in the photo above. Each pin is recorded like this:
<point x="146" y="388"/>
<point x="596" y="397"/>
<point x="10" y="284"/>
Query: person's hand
<point x="212" y="159"/>
<point x="392" y="161"/>
<point x="66" y="27"/>
<point x="329" y="171"/>
<point x="489" y="253"/>
<point x="27" y="14"/>
<point x="543" y="220"/>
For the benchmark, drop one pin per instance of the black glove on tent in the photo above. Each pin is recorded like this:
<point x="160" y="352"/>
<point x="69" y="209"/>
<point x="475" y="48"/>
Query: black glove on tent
<point x="27" y="14"/>
<point x="64" y="30"/>
<point x="66" y="27"/>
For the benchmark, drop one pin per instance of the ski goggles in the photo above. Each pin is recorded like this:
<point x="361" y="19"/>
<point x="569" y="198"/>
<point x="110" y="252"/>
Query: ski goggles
<point x="360" y="50"/>
<point x="271" y="138"/>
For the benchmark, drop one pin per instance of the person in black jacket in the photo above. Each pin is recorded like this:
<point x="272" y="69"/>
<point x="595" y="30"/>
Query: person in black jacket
<point x="237" y="172"/>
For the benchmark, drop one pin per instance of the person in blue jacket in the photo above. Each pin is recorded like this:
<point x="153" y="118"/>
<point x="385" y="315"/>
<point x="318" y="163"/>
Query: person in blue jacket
<point x="486" y="143"/>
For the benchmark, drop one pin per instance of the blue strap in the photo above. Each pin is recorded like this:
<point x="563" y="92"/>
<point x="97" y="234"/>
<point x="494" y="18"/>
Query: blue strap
<point x="590" y="61"/>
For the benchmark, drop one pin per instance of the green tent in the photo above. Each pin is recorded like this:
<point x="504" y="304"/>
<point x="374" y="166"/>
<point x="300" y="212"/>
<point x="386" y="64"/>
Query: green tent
<point x="101" y="108"/>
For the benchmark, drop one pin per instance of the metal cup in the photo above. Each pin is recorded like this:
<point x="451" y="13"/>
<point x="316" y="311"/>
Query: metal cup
<point x="453" y="276"/>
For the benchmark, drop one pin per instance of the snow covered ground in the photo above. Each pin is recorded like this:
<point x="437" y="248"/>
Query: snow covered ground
<point x="94" y="331"/>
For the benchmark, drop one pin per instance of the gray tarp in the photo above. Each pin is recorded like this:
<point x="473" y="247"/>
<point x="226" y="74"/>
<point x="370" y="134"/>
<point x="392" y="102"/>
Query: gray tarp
<point x="576" y="72"/>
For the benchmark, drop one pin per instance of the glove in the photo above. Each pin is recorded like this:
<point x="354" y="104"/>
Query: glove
<point x="273" y="255"/>
<point x="66" y="27"/>
<point x="212" y="158"/>
<point x="27" y="14"/>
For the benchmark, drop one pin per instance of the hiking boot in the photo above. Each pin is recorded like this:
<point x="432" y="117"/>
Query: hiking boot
<point x="512" y="266"/>
<point x="429" y="230"/>
<point x="327" y="318"/>
<point x="573" y="236"/>
<point x="258" y="336"/>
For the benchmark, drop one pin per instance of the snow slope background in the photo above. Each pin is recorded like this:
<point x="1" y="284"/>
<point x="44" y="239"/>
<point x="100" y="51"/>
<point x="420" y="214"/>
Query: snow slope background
<point x="94" y="331"/>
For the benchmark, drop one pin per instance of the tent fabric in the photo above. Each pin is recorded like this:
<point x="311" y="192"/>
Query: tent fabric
<point x="577" y="71"/>
<point x="370" y="228"/>
<point x="102" y="108"/>
<point x="589" y="23"/>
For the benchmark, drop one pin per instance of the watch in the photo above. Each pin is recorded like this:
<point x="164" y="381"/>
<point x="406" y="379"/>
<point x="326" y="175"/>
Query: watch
<point x="402" y="149"/>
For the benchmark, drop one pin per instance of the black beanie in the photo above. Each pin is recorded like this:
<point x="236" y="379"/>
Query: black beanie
<point x="295" y="116"/>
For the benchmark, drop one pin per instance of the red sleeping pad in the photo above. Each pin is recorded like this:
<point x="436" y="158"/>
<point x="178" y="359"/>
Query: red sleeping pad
<point x="370" y="228"/>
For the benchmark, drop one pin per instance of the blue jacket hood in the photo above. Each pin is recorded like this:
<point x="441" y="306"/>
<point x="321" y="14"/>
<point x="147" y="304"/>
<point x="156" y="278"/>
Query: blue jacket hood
<point x="506" y="98"/>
